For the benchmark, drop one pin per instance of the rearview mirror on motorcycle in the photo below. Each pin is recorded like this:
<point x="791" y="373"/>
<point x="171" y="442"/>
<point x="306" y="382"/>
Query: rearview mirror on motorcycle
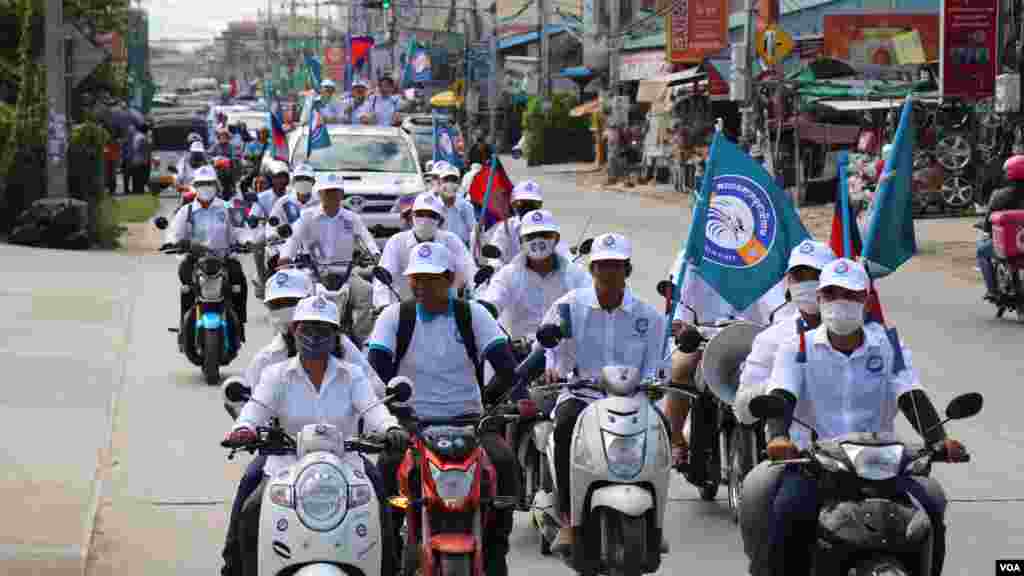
<point x="235" y="390"/>
<point x="274" y="221"/>
<point x="689" y="341"/>
<point x="549" y="335"/>
<point x="284" y="231"/>
<point x="483" y="274"/>
<point x="666" y="288"/>
<point x="382" y="274"/>
<point x="399" y="389"/>
<point x="252" y="222"/>
<point x="584" y="248"/>
<point x="767" y="406"/>
<point x="964" y="406"/>
<point x="172" y="169"/>
<point x="160" y="222"/>
<point x="491" y="251"/>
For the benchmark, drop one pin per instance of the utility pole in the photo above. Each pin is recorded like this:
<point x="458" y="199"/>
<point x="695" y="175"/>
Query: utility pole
<point x="57" y="181"/>
<point x="545" y="53"/>
<point x="615" y="119"/>
<point x="748" y="75"/>
<point x="492" y="81"/>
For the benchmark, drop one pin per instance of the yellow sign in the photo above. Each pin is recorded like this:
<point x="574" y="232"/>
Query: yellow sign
<point x="773" y="45"/>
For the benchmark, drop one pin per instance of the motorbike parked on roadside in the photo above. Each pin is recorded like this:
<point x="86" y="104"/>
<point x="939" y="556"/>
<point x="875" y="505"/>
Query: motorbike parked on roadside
<point x="619" y="471"/>
<point x="208" y="334"/>
<point x="1008" y="260"/>
<point x="866" y="524"/>
<point x="320" y="516"/>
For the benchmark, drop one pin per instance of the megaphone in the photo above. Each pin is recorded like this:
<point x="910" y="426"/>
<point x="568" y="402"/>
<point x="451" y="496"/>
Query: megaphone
<point x="723" y="358"/>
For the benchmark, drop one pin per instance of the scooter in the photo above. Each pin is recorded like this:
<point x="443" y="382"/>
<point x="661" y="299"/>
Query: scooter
<point x="619" y="471"/>
<point x="209" y="333"/>
<point x="320" y="516"/>
<point x="864" y="526"/>
<point x="1008" y="261"/>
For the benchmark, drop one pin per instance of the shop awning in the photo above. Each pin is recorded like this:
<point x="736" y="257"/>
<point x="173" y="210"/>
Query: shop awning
<point x="694" y="73"/>
<point x="528" y="37"/>
<point x="861" y="105"/>
<point x="576" y="72"/>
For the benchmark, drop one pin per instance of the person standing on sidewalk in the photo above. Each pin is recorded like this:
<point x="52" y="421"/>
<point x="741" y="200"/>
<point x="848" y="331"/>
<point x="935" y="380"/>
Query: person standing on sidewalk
<point x="139" y="159"/>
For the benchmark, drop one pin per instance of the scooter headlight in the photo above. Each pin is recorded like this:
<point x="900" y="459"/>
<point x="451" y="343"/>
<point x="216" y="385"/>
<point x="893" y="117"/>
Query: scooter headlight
<point x="452" y="484"/>
<point x="625" y="454"/>
<point x="321" y="495"/>
<point x="875" y="462"/>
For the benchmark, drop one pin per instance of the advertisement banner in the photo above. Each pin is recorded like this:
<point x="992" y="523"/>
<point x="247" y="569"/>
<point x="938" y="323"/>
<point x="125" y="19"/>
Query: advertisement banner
<point x="970" y="49"/>
<point x="644" y="65"/>
<point x="334" y="64"/>
<point x="695" y="29"/>
<point x="887" y="39"/>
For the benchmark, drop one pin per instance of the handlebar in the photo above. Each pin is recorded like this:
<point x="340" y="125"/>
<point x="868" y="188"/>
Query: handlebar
<point x="198" y="250"/>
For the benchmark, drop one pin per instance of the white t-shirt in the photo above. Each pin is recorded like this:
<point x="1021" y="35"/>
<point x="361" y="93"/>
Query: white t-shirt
<point x="444" y="378"/>
<point x="395" y="259"/>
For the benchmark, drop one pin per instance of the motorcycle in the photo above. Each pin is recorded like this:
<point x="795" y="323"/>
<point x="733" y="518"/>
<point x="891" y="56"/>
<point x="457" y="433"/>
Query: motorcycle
<point x="619" y="471"/>
<point x="447" y="490"/>
<point x="1008" y="260"/>
<point x="208" y="334"/>
<point x="865" y="526"/>
<point x="320" y="516"/>
<point x="225" y="168"/>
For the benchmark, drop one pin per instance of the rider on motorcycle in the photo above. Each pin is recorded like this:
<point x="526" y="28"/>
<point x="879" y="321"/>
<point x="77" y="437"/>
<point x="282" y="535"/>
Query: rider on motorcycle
<point x="313" y="388"/>
<point x="523" y="290"/>
<point x="288" y="208"/>
<point x="526" y="197"/>
<point x="428" y="214"/>
<point x="461" y="215"/>
<point x="206" y="221"/>
<point x="603" y="324"/>
<point x="262" y="208"/>
<point x="805" y="263"/>
<point x="328" y="231"/>
<point x="1008" y="198"/>
<point x="189" y="163"/>
<point x="449" y="341"/>
<point x="223" y="146"/>
<point x="841" y="377"/>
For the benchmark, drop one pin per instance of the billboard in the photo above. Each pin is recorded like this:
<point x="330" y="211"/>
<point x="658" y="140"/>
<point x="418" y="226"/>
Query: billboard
<point x="970" y="49"/>
<point x="695" y="29"/>
<point x="887" y="39"/>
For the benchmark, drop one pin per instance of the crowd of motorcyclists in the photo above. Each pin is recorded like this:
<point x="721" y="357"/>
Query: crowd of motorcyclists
<point x="425" y="311"/>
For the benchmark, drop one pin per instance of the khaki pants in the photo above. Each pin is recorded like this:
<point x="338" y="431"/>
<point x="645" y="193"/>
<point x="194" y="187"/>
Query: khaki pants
<point x="677" y="406"/>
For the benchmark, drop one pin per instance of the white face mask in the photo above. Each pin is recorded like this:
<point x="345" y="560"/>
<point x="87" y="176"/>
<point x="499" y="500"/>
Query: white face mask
<point x="842" y="317"/>
<point x="424" y="227"/>
<point x="805" y="296"/>
<point x="206" y="193"/>
<point x="539" y="248"/>
<point x="448" y="189"/>
<point x="280" y="319"/>
<point x="303" y="190"/>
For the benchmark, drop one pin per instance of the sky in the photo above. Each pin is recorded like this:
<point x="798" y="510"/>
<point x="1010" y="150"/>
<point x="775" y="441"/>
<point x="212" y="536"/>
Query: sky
<point x="198" y="18"/>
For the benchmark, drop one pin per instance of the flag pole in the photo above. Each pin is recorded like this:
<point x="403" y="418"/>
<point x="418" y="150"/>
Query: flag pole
<point x="486" y="203"/>
<point x="844" y="205"/>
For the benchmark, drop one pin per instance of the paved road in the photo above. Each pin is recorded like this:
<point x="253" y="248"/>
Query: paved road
<point x="167" y="486"/>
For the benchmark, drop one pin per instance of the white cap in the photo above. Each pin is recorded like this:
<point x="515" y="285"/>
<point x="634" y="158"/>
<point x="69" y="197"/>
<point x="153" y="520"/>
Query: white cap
<point x="438" y="167"/>
<point x="611" y="247"/>
<point x="449" y="170"/>
<point x="538" y="221"/>
<point x="304" y="171"/>
<point x="277" y="167"/>
<point x="428" y="201"/>
<point x="360" y="82"/>
<point x="327" y="83"/>
<point x="428" y="258"/>
<point x="844" y="273"/>
<point x="197" y="146"/>
<point x="528" y="190"/>
<point x="316" y="308"/>
<point x="810" y="253"/>
<point x="290" y="283"/>
<point x="330" y="182"/>
<point x="205" y="174"/>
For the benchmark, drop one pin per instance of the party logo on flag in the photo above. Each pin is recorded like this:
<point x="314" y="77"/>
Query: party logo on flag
<point x="741" y="224"/>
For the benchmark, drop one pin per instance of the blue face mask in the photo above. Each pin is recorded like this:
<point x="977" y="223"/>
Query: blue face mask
<point x="315" y="346"/>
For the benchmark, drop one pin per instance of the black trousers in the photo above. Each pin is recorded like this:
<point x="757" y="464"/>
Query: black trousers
<point x="495" y="542"/>
<point x="565" y="420"/>
<point x="139" y="176"/>
<point x="236" y="276"/>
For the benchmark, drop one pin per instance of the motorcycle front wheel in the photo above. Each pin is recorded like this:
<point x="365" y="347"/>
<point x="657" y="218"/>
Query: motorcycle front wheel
<point x="881" y="567"/>
<point x="454" y="564"/>
<point x="623" y="543"/>
<point x="211" y="356"/>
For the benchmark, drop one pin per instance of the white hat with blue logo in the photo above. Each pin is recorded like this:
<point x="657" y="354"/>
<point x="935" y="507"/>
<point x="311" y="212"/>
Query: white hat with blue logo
<point x="527" y="191"/>
<point x="205" y="174"/>
<point x="304" y="171"/>
<point x="538" y="221"/>
<point x="330" y="182"/>
<point x="812" y="254"/>
<point x="611" y="247"/>
<point x="844" y="273"/>
<point x="428" y="258"/>
<point x="196" y="146"/>
<point x="289" y="283"/>
<point x="327" y="83"/>
<point x="429" y="201"/>
<point x="317" y="308"/>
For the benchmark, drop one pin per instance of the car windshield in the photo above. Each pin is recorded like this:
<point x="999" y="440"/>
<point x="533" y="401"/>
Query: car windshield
<point x="171" y="136"/>
<point x="359" y="153"/>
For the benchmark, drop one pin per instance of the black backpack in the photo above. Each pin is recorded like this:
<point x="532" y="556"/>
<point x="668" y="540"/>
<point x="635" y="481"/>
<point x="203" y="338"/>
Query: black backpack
<point x="463" y="321"/>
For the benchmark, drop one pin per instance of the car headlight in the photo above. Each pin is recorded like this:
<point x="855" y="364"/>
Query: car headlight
<point x="625" y="453"/>
<point x="321" y="495"/>
<point x="875" y="462"/>
<point x="452" y="484"/>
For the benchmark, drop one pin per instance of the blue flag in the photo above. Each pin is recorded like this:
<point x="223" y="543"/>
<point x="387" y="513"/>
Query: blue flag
<point x="890" y="241"/>
<point x="318" y="136"/>
<point x="743" y="229"/>
<point x="314" y="72"/>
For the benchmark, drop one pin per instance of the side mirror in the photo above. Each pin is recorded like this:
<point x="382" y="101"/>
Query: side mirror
<point x="172" y="169"/>
<point x="491" y="251"/>
<point x="666" y="288"/>
<point x="382" y="274"/>
<point x="160" y="223"/>
<point x="549" y="335"/>
<point x="284" y="231"/>
<point x="399" y="389"/>
<point x="235" y="390"/>
<point x="584" y="248"/>
<point x="252" y="222"/>
<point x="483" y="274"/>
<point x="964" y="406"/>
<point x="689" y="341"/>
<point x="767" y="406"/>
<point x="274" y="221"/>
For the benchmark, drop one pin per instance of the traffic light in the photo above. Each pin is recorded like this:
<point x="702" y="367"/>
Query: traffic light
<point x="385" y="4"/>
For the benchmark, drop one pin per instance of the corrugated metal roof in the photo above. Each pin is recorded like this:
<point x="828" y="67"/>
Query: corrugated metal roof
<point x="527" y="38"/>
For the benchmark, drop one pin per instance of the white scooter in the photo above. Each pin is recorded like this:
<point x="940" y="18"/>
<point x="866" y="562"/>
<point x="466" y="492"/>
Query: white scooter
<point x="619" y="471"/>
<point x="320" y="516"/>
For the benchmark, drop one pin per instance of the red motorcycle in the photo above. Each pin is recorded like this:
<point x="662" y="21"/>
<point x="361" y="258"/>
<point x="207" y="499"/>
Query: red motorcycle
<point x="1008" y="261"/>
<point x="448" y="490"/>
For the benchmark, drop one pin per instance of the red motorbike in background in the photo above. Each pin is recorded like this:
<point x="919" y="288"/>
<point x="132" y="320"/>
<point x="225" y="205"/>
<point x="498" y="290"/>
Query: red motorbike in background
<point x="1008" y="261"/>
